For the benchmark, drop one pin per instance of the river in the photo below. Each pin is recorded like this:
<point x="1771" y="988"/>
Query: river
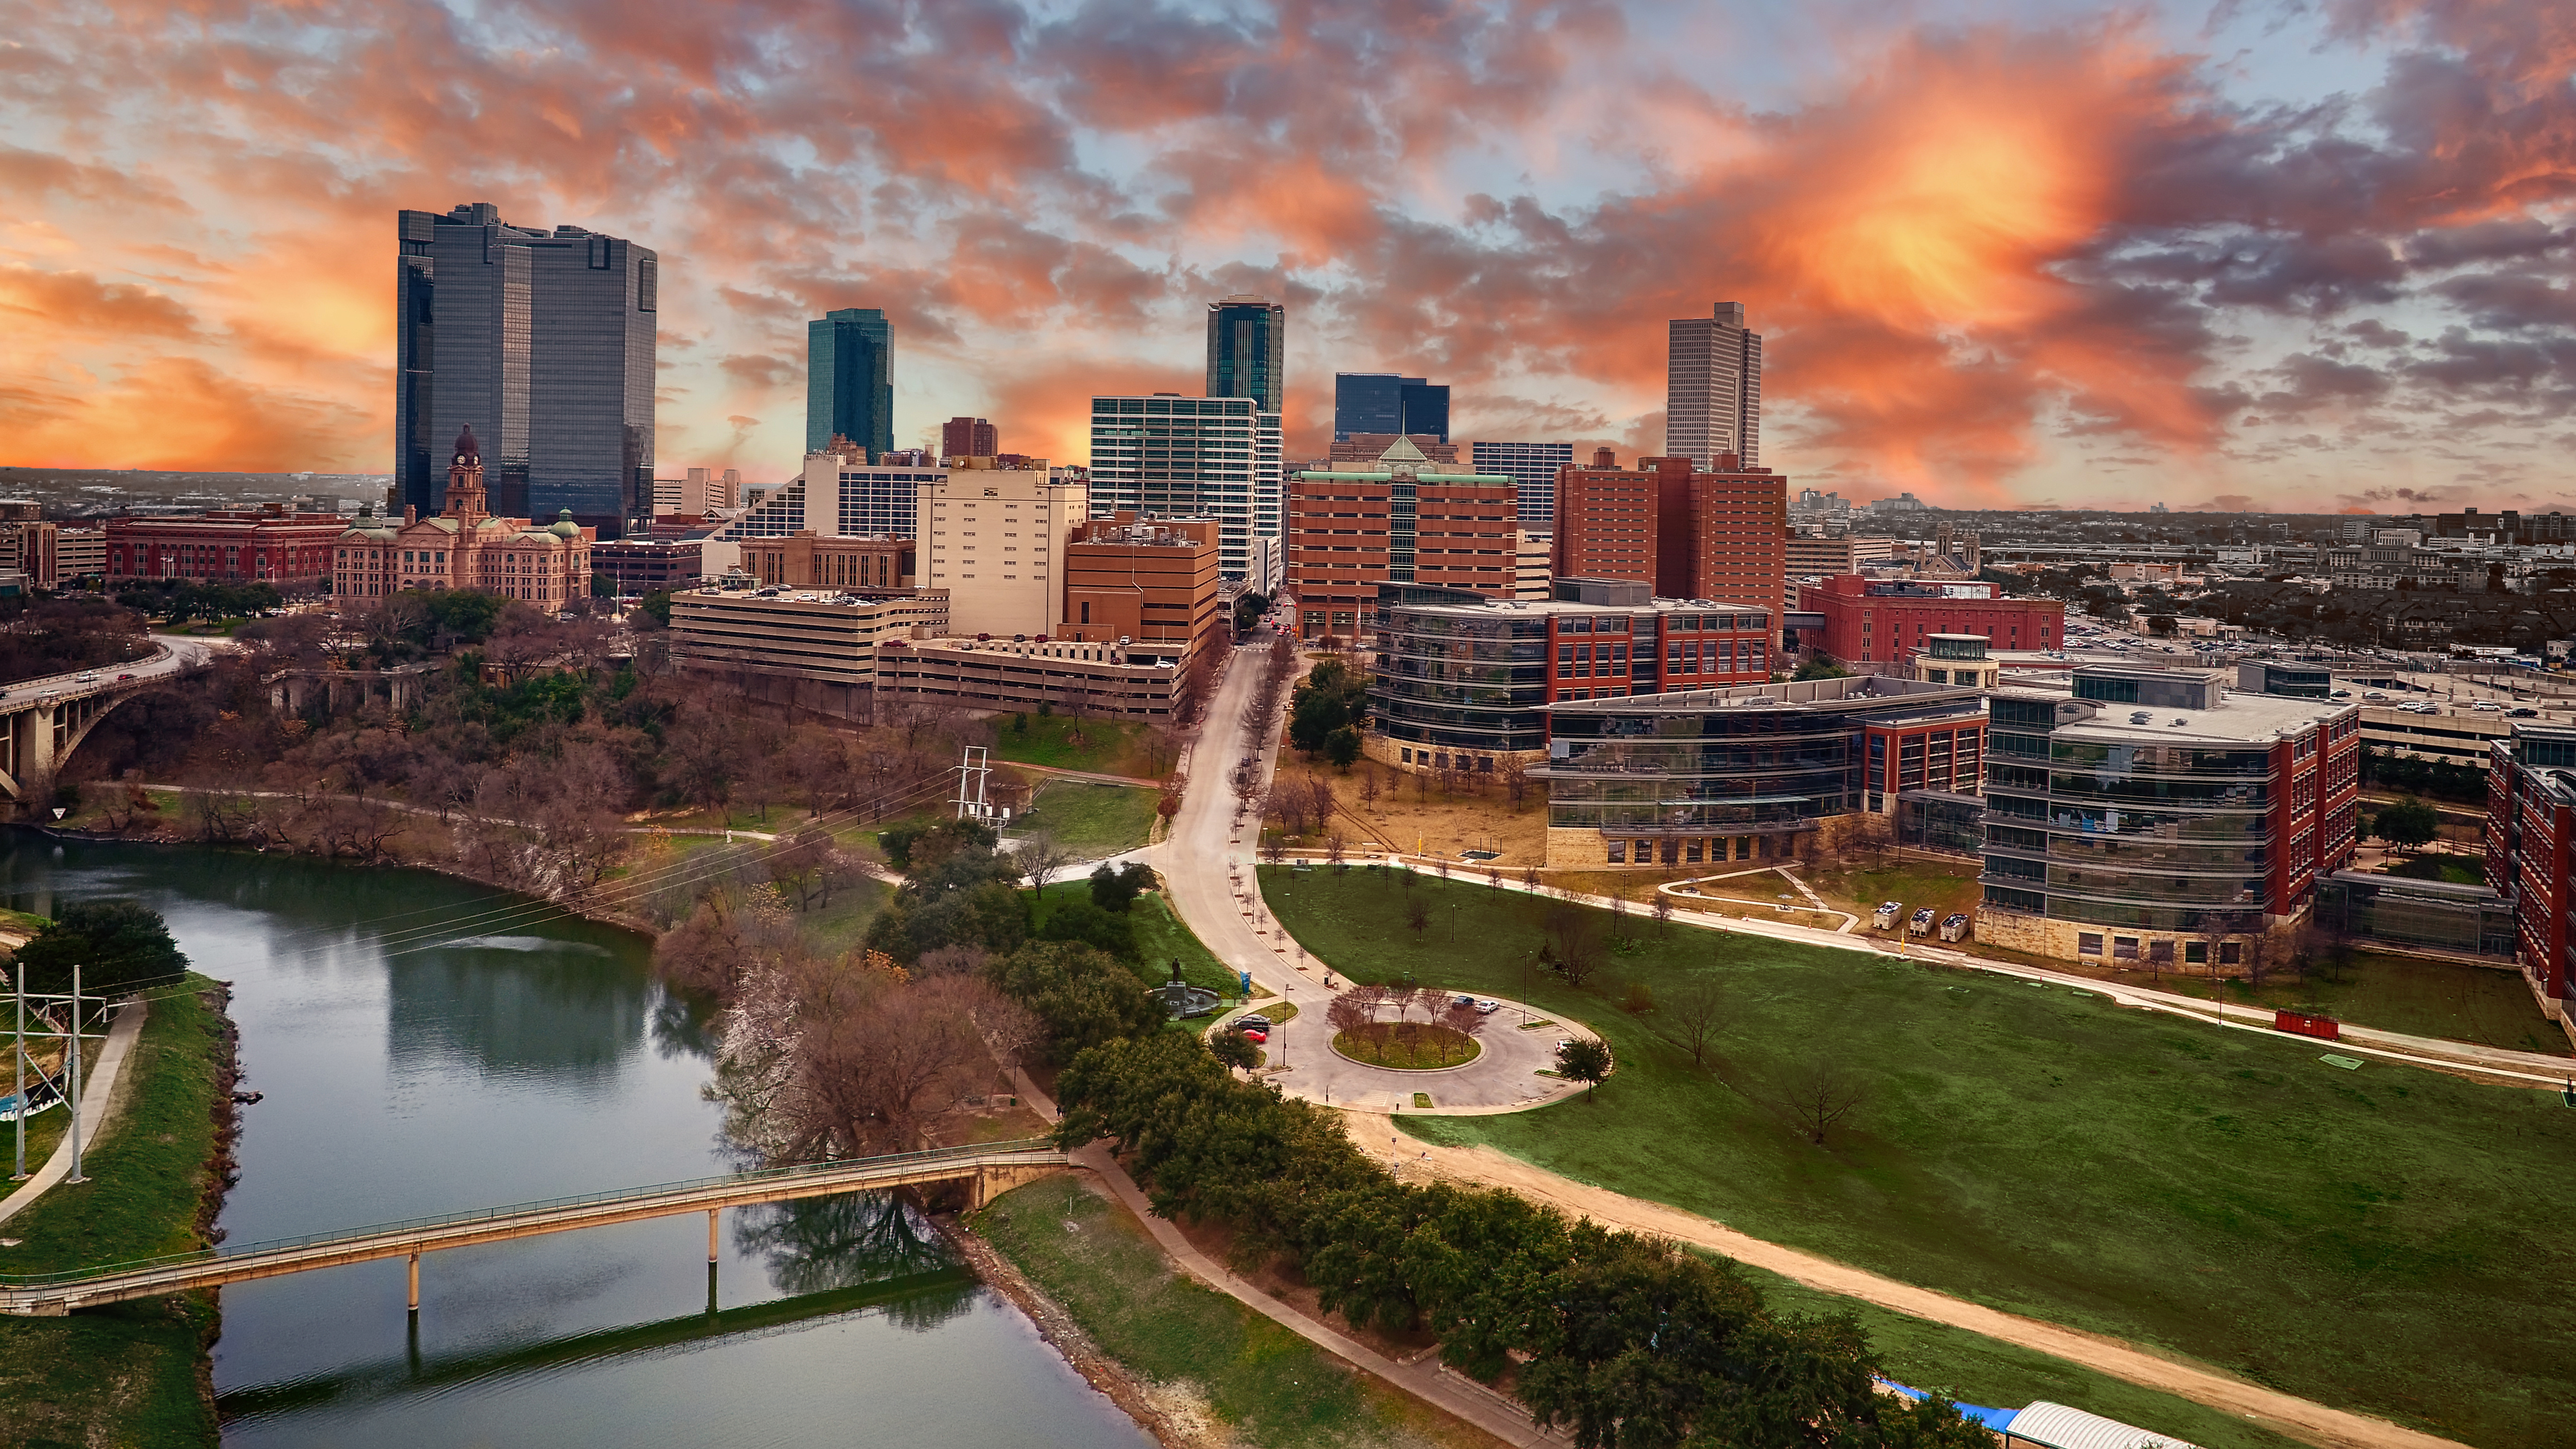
<point x="428" y="1046"/>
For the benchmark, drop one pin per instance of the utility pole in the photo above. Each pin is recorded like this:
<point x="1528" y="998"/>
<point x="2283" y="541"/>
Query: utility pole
<point x="75" y="1076"/>
<point x="18" y="1068"/>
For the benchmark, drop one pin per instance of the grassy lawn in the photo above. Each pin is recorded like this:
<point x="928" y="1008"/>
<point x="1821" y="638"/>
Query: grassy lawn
<point x="1267" y="1386"/>
<point x="2370" y="1239"/>
<point x="1092" y="820"/>
<point x="1975" y="1369"/>
<point x="2458" y="870"/>
<point x="1104" y="747"/>
<point x="126" y="1374"/>
<point x="1161" y="939"/>
<point x="840" y="926"/>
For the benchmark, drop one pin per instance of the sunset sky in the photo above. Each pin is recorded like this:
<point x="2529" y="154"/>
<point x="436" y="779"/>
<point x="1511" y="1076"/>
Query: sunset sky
<point x="2307" y="256"/>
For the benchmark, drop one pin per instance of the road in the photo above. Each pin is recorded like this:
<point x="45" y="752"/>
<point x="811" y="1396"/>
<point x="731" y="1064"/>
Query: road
<point x="173" y="656"/>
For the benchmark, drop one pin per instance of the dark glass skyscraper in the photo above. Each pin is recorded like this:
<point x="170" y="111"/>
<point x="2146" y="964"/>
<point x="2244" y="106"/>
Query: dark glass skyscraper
<point x="849" y="380"/>
<point x="543" y="343"/>
<point x="1382" y="402"/>
<point x="1246" y="341"/>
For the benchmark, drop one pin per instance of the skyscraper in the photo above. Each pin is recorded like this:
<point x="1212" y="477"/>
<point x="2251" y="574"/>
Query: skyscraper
<point x="543" y="343"/>
<point x="1532" y="467"/>
<point x="1384" y="402"/>
<point x="968" y="438"/>
<point x="1168" y="456"/>
<point x="1691" y="533"/>
<point x="1713" y="389"/>
<point x="849" y="380"/>
<point x="1246" y="348"/>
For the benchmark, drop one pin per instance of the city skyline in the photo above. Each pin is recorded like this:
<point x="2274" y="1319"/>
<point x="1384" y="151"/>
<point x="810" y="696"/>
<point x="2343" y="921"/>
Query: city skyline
<point x="2250" y="258"/>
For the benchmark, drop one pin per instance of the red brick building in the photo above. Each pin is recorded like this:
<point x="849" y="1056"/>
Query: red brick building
<point x="1403" y="519"/>
<point x="227" y="545"/>
<point x="1690" y="532"/>
<point x="2531" y="853"/>
<point x="1150" y="586"/>
<point x="1878" y="621"/>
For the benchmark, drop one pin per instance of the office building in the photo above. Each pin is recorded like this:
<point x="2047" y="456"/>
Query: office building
<point x="1957" y="659"/>
<point x="1168" y="456"/>
<point x="634" y="567"/>
<point x="2153" y="818"/>
<point x="1744" y="772"/>
<point x="30" y="549"/>
<point x="1382" y="402"/>
<point x="849" y="381"/>
<point x="969" y="438"/>
<point x="840" y="494"/>
<point x="705" y="492"/>
<point x="816" y="638"/>
<point x="1818" y="558"/>
<point x="993" y="538"/>
<point x="805" y="561"/>
<point x="2531" y="856"/>
<point x="1246" y="351"/>
<point x="1690" y="532"/>
<point x="464" y="546"/>
<point x="1403" y="520"/>
<point x="1532" y="467"/>
<point x="542" y="343"/>
<point x="20" y="510"/>
<point x="1076" y="677"/>
<point x="1465" y="682"/>
<point x="1529" y="564"/>
<point x="1868" y="621"/>
<point x="1713" y="388"/>
<point x="265" y="545"/>
<point x="80" y="553"/>
<point x="1147" y="585"/>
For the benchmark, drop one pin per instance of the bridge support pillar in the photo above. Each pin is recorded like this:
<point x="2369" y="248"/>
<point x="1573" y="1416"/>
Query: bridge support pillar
<point x="415" y="1285"/>
<point x="711" y="1235"/>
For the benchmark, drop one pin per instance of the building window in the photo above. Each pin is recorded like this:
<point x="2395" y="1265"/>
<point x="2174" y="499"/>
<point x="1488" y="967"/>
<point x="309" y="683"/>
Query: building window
<point x="2230" y="952"/>
<point x="1618" y="852"/>
<point x="2195" y="953"/>
<point x="2088" y="943"/>
<point x="2124" y="948"/>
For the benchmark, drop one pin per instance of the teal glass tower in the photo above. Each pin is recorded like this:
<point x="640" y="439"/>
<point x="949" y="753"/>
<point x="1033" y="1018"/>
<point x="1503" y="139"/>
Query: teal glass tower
<point x="1247" y="351"/>
<point x="849" y="380"/>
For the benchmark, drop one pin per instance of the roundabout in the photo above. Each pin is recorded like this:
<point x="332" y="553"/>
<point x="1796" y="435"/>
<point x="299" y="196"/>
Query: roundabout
<point x="1512" y="1071"/>
<point x="1427" y="1048"/>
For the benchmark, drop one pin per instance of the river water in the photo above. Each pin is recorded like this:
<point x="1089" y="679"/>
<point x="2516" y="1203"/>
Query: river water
<point x="427" y="1046"/>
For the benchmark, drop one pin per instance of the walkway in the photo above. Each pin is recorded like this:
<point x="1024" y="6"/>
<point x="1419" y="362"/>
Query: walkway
<point x="54" y="1294"/>
<point x="2300" y="1418"/>
<point x="98" y="1092"/>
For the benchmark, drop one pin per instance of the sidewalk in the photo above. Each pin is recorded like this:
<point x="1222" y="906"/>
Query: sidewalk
<point x="98" y="1089"/>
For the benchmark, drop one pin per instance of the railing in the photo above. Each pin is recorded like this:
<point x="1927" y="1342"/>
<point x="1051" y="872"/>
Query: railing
<point x="990" y="1154"/>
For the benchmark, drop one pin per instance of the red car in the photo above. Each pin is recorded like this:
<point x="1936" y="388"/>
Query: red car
<point x="1256" y="1036"/>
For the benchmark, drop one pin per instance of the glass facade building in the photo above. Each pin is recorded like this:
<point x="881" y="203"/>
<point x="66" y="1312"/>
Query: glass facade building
<point x="1713" y="388"/>
<point x="543" y="343"/>
<point x="1386" y="403"/>
<point x="849" y="380"/>
<point x="1167" y="456"/>
<point x="1247" y="351"/>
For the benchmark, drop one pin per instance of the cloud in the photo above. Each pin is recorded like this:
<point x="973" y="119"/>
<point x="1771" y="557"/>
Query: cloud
<point x="79" y="301"/>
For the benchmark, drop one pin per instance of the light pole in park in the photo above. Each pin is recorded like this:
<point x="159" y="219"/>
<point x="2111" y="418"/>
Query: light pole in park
<point x="75" y="1076"/>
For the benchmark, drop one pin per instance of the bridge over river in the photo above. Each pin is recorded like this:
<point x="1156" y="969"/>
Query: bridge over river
<point x="43" y="720"/>
<point x="986" y="1169"/>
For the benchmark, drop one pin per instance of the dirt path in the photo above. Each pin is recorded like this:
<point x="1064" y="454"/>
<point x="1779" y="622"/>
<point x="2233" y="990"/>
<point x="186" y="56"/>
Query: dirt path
<point x="2299" y="1418"/>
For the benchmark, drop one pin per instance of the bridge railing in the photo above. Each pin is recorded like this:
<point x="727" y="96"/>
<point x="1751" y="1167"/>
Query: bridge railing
<point x="767" y="1177"/>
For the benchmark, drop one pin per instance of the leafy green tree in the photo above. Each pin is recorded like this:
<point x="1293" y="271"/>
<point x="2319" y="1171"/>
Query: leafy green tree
<point x="1823" y="666"/>
<point x="1085" y="997"/>
<point x="2410" y="825"/>
<point x="117" y="945"/>
<point x="1342" y="746"/>
<point x="1248" y="609"/>
<point x="656" y="606"/>
<point x="1584" y="1060"/>
<point x="1231" y="1048"/>
<point x="1115" y="888"/>
<point x="1332" y="696"/>
<point x="1087" y="923"/>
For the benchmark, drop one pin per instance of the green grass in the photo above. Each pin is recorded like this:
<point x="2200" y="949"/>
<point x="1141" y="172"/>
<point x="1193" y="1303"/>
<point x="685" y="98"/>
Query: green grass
<point x="1092" y="820"/>
<point x="1160" y="939"/>
<point x="2377" y="1240"/>
<point x="1265" y="1384"/>
<point x="23" y="921"/>
<point x="1975" y="1369"/>
<point x="126" y="1374"/>
<point x="840" y="926"/>
<point x="2458" y="870"/>
<point x="2402" y="993"/>
<point x="1106" y="747"/>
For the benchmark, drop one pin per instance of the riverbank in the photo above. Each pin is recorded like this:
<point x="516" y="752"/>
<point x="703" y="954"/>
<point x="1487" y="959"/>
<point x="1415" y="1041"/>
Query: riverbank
<point x="136" y="1373"/>
<point x="1209" y="1370"/>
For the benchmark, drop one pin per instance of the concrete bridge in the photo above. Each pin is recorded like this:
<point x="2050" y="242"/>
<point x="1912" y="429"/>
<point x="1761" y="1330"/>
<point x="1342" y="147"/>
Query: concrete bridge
<point x="43" y="720"/>
<point x="986" y="1170"/>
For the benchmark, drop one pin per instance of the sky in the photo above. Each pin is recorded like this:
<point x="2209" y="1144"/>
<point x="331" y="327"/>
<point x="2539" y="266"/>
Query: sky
<point x="2312" y="255"/>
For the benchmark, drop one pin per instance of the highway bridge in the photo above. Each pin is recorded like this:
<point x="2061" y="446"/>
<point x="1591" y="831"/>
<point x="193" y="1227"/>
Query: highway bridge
<point x="43" y="720"/>
<point x="986" y="1169"/>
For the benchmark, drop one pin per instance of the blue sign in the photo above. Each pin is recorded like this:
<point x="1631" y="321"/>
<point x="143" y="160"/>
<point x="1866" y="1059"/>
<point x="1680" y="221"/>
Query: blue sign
<point x="1247" y="984"/>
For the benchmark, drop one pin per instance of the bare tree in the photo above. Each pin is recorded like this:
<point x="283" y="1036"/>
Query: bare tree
<point x="1663" y="913"/>
<point x="1368" y="783"/>
<point x="1417" y="915"/>
<point x="1694" y="1011"/>
<point x="1320" y="795"/>
<point x="1516" y="783"/>
<point x="1042" y="857"/>
<point x="1333" y="851"/>
<point x="1352" y="1013"/>
<point x="1817" y="1093"/>
<point x="1573" y="948"/>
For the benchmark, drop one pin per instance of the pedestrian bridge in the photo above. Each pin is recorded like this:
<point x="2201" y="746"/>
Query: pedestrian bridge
<point x="986" y="1169"/>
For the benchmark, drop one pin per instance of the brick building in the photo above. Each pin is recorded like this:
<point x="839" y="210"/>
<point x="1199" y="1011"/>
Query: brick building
<point x="266" y="545"/>
<point x="969" y="438"/>
<point x="1151" y="586"/>
<point x="1403" y="520"/>
<point x="1882" y="621"/>
<point x="1689" y="532"/>
<point x="805" y="561"/>
<point x="464" y="547"/>
<point x="2531" y="855"/>
<point x="634" y="567"/>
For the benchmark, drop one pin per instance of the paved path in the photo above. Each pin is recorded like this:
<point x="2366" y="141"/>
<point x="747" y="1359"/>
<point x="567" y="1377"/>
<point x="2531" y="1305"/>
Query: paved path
<point x="1207" y="865"/>
<point x="2300" y="1418"/>
<point x="98" y="1091"/>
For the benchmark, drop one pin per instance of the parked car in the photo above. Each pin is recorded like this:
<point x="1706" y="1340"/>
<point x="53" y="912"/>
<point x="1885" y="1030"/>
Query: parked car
<point x="89" y="677"/>
<point x="1886" y="914"/>
<point x="2341" y="694"/>
<point x="1257" y="1036"/>
<point x="1252" y="1023"/>
<point x="2525" y="713"/>
<point x="1923" y="920"/>
<point x="1954" y="927"/>
<point x="2488" y="705"/>
<point x="2373" y="694"/>
<point x="1487" y="1005"/>
<point x="123" y="677"/>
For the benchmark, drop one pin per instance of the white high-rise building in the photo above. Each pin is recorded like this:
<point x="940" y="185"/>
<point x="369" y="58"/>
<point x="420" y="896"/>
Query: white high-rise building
<point x="1713" y="389"/>
<point x="994" y="539"/>
<point x="1168" y="456"/>
<point x="1532" y="468"/>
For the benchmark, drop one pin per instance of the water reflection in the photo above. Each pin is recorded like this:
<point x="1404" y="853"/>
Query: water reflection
<point x="567" y="1012"/>
<point x="823" y="1244"/>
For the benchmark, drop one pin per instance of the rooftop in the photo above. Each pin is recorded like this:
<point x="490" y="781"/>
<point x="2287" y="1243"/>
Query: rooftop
<point x="2238" y="718"/>
<point x="1806" y="695"/>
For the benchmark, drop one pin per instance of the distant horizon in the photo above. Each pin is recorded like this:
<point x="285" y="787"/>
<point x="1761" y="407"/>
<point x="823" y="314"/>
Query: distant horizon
<point x="2079" y="257"/>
